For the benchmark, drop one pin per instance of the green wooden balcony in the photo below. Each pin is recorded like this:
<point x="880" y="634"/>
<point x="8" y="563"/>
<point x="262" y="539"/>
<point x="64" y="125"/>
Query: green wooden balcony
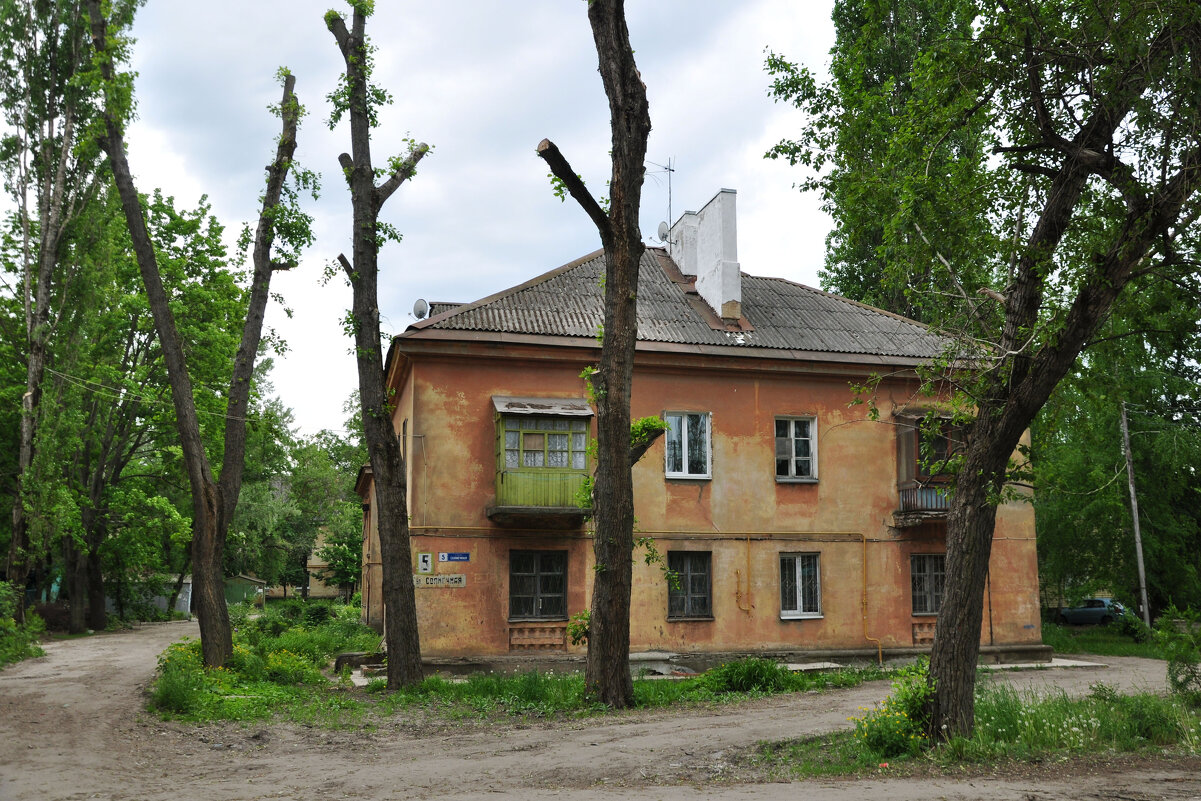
<point x="538" y="499"/>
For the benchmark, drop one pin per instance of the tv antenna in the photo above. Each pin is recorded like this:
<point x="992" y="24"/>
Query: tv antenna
<point x="665" y="227"/>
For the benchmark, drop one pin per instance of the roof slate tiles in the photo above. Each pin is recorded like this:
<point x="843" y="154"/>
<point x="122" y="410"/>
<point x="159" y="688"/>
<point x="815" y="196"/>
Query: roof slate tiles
<point x="568" y="302"/>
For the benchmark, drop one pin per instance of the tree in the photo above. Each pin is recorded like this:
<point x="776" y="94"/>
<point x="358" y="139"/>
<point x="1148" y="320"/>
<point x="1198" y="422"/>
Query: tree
<point x="343" y="548"/>
<point x="358" y="99"/>
<point x="214" y="500"/>
<point x="47" y="93"/>
<point x="1089" y="182"/>
<point x="608" y="669"/>
<point x="1146" y="357"/>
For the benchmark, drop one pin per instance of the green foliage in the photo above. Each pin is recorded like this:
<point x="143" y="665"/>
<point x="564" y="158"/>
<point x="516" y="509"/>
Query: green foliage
<point x="1179" y="634"/>
<point x="17" y="642"/>
<point x="748" y="675"/>
<point x="275" y="668"/>
<point x="577" y="627"/>
<point x="1108" y="640"/>
<point x="899" y="725"/>
<point x="1010" y="725"/>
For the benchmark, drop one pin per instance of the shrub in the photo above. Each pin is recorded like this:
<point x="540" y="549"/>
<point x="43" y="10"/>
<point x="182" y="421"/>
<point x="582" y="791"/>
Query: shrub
<point x="1133" y="627"/>
<point x="287" y="667"/>
<point x="748" y="675"/>
<point x="899" y="725"/>
<point x="1179" y="634"/>
<point x="316" y="614"/>
<point x="17" y="642"/>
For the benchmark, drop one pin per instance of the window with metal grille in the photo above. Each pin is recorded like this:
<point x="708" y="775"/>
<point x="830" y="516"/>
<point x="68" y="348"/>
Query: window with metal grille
<point x="926" y="574"/>
<point x="796" y="448"/>
<point x="537" y="585"/>
<point x="800" y="585"/>
<point x="689" y="595"/>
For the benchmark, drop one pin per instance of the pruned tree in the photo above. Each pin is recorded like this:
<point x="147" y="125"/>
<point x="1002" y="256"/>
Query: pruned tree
<point x="608" y="669"/>
<point x="1089" y="176"/>
<point x="214" y="499"/>
<point x="358" y="99"/>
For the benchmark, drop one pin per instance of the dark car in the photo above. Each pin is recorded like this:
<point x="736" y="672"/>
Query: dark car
<point x="1091" y="610"/>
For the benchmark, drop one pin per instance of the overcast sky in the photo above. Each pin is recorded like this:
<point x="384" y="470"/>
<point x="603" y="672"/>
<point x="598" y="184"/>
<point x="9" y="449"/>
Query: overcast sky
<point x="483" y="83"/>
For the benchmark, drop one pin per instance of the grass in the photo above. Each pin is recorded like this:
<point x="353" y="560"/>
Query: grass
<point x="278" y="663"/>
<point x="544" y="695"/>
<point x="1101" y="640"/>
<point x="276" y="669"/>
<point x="1010" y="726"/>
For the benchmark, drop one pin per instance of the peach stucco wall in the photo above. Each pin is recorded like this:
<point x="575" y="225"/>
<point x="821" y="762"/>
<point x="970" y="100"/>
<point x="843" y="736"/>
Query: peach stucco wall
<point x="741" y="515"/>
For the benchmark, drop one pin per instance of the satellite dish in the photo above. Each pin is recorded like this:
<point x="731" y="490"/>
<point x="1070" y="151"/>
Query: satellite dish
<point x="664" y="231"/>
<point x="421" y="308"/>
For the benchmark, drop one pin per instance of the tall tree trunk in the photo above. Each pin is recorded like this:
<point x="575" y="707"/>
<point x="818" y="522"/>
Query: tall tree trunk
<point x="97" y="613"/>
<point x="383" y="447"/>
<point x="75" y="577"/>
<point x="213" y="504"/>
<point x="608" y="669"/>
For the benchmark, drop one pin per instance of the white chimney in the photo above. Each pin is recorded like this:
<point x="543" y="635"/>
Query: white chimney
<point x="705" y="244"/>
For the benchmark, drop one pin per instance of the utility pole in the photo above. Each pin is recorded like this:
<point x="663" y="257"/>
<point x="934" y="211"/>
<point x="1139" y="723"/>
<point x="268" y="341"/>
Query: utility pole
<point x="1138" y="539"/>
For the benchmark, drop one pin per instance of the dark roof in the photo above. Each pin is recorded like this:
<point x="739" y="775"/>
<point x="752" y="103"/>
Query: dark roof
<point x="776" y="314"/>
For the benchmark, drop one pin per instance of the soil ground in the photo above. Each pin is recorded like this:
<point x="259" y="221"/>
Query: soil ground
<point x="73" y="725"/>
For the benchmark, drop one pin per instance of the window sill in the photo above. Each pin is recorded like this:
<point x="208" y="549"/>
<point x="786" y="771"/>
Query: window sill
<point x="538" y="620"/>
<point x="697" y="619"/>
<point x="802" y="617"/>
<point x="686" y="477"/>
<point x="925" y="614"/>
<point x="793" y="480"/>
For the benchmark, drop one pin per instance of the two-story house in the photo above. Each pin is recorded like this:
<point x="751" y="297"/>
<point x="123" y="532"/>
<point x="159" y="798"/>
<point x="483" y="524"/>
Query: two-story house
<point x="793" y="519"/>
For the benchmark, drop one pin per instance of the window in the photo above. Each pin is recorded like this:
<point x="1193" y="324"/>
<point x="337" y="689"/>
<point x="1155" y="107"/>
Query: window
<point x="796" y="448"/>
<point x="934" y="449"/>
<point x="926" y="571"/>
<point x="537" y="585"/>
<point x="689" y="595"/>
<point x="800" y="585"/>
<point x="687" y="444"/>
<point x="545" y="442"/>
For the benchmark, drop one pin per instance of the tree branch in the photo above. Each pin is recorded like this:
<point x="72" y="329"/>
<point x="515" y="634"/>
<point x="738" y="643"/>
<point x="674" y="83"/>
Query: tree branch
<point x="346" y="266"/>
<point x="403" y="172"/>
<point x="549" y="153"/>
<point x="337" y="26"/>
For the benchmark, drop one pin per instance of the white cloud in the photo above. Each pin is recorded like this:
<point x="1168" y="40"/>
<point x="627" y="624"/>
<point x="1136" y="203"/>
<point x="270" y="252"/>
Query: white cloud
<point x="483" y="83"/>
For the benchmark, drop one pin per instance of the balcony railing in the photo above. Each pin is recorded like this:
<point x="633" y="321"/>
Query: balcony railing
<point x="542" y="488"/>
<point x="925" y="499"/>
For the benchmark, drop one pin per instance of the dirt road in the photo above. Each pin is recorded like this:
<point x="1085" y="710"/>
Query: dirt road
<point x="73" y="725"/>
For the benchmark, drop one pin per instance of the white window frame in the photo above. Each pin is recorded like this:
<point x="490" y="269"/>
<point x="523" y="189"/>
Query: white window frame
<point x="792" y="478"/>
<point x="800" y="613"/>
<point x="683" y="429"/>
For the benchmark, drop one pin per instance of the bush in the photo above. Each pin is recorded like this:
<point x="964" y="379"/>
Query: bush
<point x="899" y="725"/>
<point x="748" y="675"/>
<point x="1179" y="634"/>
<point x="17" y="642"/>
<point x="1132" y="626"/>
<point x="287" y="667"/>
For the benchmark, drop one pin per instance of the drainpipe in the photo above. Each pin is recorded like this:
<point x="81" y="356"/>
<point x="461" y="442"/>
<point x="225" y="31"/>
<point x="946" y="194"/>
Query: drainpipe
<point x="738" y="596"/>
<point x="863" y="605"/>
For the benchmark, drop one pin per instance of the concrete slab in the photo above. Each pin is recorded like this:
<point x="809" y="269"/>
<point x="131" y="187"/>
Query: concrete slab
<point x="1054" y="663"/>
<point x="805" y="667"/>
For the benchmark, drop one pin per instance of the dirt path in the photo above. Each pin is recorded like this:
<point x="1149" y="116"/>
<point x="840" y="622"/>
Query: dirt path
<point x="73" y="726"/>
